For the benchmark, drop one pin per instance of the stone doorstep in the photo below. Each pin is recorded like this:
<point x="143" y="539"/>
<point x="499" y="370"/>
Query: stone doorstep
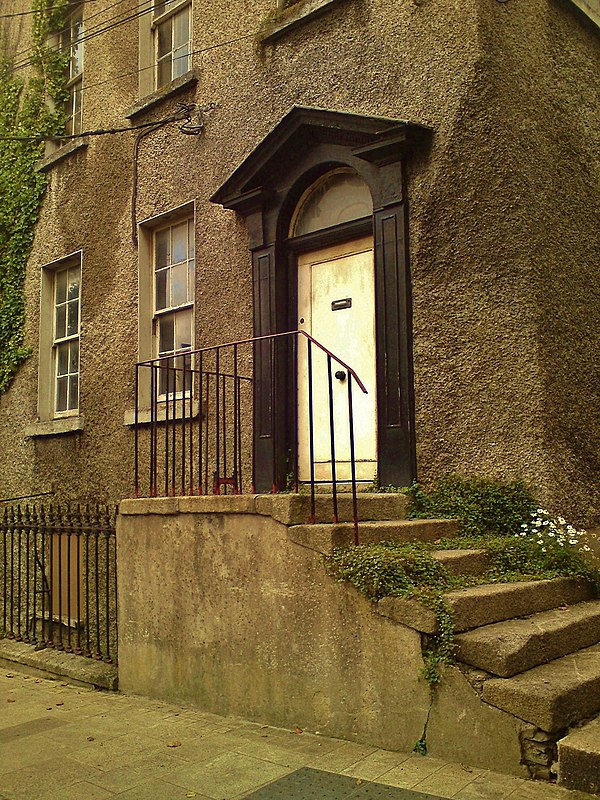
<point x="551" y="696"/>
<point x="50" y="663"/>
<point x="294" y="509"/>
<point x="579" y="759"/>
<point x="494" y="602"/>
<point x="507" y="648"/>
<point x="325" y="537"/>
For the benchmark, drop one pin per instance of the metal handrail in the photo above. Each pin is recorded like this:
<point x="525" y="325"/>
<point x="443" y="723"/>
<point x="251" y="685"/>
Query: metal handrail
<point x="172" y="403"/>
<point x="151" y="361"/>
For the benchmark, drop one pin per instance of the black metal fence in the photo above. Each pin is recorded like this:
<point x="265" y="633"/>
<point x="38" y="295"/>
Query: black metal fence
<point x="200" y="413"/>
<point x="58" y="578"/>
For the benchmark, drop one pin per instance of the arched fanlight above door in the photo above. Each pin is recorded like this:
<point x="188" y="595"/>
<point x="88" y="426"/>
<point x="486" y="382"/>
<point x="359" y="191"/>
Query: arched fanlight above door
<point x="338" y="196"/>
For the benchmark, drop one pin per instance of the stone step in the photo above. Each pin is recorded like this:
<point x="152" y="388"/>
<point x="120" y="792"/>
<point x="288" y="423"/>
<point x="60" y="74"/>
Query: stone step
<point x="551" y="696"/>
<point x="579" y="759"/>
<point x="463" y="562"/>
<point x="493" y="602"/>
<point x="294" y="509"/>
<point x="324" y="538"/>
<point x="507" y="648"/>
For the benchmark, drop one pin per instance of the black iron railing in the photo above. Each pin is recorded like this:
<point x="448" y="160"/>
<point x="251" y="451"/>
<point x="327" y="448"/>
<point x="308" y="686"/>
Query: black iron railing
<point x="200" y="413"/>
<point x="58" y="578"/>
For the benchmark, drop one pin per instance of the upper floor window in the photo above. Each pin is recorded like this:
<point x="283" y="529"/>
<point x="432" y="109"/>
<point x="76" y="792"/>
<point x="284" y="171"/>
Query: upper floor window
<point x="171" y="23"/>
<point x="71" y="44"/>
<point x="65" y="339"/>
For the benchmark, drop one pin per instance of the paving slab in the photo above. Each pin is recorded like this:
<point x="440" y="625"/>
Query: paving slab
<point x="209" y="758"/>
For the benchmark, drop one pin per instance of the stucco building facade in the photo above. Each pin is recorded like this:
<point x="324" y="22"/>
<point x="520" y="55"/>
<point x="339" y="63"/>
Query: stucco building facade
<point x="474" y="127"/>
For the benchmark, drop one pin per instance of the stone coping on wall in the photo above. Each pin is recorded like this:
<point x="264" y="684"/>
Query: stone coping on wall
<point x="49" y="663"/>
<point x="294" y="15"/>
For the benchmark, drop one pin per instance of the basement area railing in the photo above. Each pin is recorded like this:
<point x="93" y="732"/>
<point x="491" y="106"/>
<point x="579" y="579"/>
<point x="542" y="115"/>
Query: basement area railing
<point x="58" y="578"/>
<point x="271" y="413"/>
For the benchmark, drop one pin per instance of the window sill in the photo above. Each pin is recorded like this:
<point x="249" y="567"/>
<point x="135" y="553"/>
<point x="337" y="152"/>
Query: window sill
<point x="179" y="84"/>
<point x="295" y="15"/>
<point x="54" y="427"/>
<point x="144" y="414"/>
<point x="586" y="8"/>
<point x="74" y="145"/>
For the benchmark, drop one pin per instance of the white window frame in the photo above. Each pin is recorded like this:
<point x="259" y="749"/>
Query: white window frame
<point x="167" y="16"/>
<point x="170" y="309"/>
<point x="50" y="343"/>
<point x="69" y="41"/>
<point x="147" y="344"/>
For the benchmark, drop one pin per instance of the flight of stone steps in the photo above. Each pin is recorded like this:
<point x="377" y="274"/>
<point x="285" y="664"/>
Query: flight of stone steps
<point x="531" y="649"/>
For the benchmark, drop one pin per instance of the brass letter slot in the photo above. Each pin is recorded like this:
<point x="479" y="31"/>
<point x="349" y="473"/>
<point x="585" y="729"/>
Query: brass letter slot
<point x="337" y="305"/>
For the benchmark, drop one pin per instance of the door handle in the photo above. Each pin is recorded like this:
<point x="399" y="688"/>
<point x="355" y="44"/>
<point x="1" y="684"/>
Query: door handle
<point x="340" y="375"/>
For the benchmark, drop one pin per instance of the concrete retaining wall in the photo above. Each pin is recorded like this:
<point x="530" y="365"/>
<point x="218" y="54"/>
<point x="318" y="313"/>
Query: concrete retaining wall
<point x="224" y="612"/>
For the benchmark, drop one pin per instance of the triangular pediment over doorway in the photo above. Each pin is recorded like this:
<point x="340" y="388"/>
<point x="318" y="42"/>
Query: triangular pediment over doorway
<point x="375" y="139"/>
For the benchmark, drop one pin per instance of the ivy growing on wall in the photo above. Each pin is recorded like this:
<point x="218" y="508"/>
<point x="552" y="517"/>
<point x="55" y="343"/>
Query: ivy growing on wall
<point x="28" y="108"/>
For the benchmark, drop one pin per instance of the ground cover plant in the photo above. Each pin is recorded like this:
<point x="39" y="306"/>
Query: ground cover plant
<point x="523" y="542"/>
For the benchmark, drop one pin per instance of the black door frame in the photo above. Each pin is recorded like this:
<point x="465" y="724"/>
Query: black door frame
<point x="265" y="189"/>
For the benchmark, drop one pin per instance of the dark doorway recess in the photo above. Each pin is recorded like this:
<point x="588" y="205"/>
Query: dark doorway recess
<point x="265" y="189"/>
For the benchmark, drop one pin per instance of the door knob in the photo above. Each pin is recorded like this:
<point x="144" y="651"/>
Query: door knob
<point x="340" y="375"/>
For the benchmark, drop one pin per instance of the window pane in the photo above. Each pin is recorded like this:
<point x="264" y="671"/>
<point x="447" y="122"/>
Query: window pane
<point x="73" y="392"/>
<point x="164" y="71"/>
<point x="73" y="318"/>
<point x="163" y="249"/>
<point x="61" y="322"/>
<point x="77" y="48"/>
<point x="180" y="61"/>
<point x="162" y="289"/>
<point x="61" y="394"/>
<point x="62" y="359"/>
<point x="74" y="357"/>
<point x="61" y="286"/>
<point x="164" y="39"/>
<point x="184" y="330"/>
<point x="73" y="291"/>
<point x="179" y="235"/>
<point x="181" y="28"/>
<point x="179" y="281"/>
<point x="166" y="334"/>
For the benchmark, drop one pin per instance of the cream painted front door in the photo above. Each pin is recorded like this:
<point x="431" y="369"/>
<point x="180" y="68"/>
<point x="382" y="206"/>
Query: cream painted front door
<point x="336" y="306"/>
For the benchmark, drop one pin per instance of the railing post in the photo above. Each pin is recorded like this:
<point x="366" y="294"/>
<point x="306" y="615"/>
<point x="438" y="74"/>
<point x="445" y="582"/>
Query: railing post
<point x="136" y="433"/>
<point x="352" y="460"/>
<point x="332" y="439"/>
<point x="311" y="434"/>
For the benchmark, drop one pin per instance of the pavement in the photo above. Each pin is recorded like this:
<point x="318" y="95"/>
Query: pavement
<point x="64" y="742"/>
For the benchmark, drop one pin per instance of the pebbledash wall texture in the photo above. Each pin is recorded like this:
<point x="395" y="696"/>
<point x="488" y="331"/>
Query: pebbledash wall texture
<point x="502" y="223"/>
